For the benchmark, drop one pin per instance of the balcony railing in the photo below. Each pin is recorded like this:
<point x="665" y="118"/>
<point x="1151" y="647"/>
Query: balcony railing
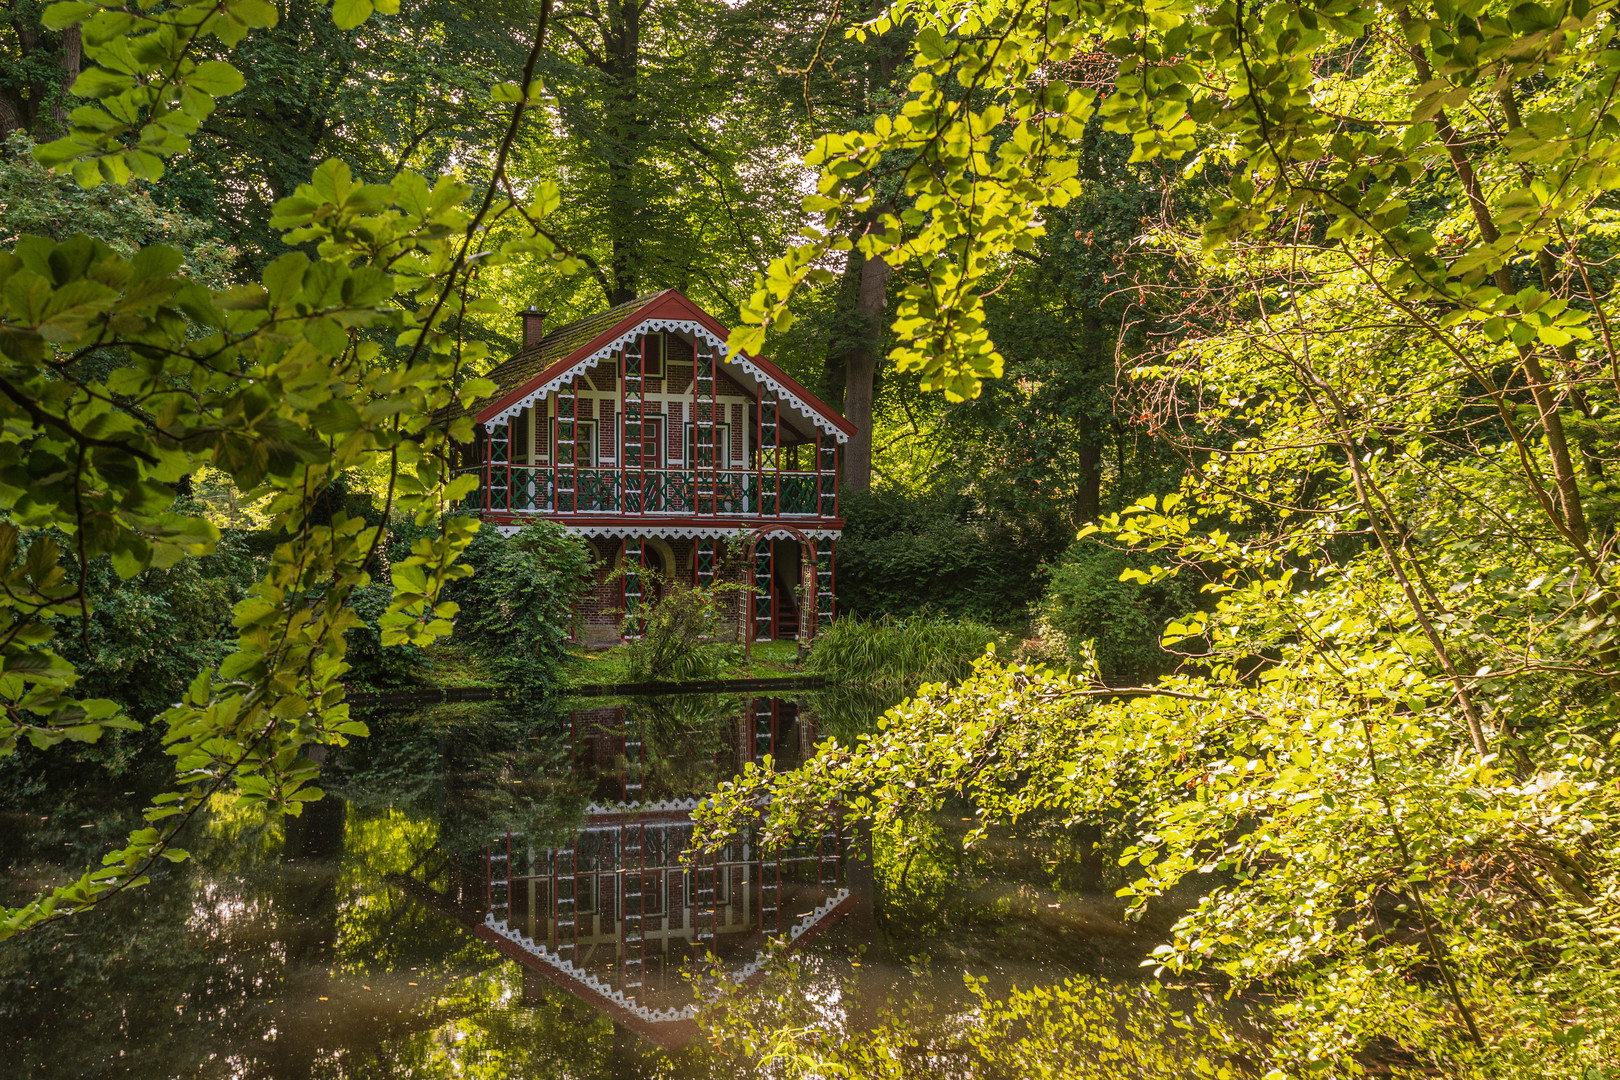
<point x="563" y="491"/>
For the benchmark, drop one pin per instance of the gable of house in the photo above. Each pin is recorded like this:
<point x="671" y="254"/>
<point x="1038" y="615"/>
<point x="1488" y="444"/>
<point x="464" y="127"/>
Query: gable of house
<point x="588" y="353"/>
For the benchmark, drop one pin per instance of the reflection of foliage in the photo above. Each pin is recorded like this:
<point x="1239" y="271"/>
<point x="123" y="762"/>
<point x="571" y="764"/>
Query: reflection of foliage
<point x="285" y="965"/>
<point x="887" y="651"/>
<point x="479" y="768"/>
<point x="916" y="871"/>
<point x="846" y="712"/>
<point x="1039" y="897"/>
<point x="681" y="737"/>
<point x="511" y="1025"/>
<point x="799" y="1026"/>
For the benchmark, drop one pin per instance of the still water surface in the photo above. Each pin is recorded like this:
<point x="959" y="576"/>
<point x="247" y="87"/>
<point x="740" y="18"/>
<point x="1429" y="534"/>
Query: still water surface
<point x="499" y="891"/>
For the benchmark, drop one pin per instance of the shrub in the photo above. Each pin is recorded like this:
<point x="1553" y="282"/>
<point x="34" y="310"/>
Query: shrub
<point x="371" y="663"/>
<point x="682" y="635"/>
<point x="518" y="605"/>
<point x="147" y="636"/>
<point x="905" y="652"/>
<point x="944" y="550"/>
<point x="1086" y="601"/>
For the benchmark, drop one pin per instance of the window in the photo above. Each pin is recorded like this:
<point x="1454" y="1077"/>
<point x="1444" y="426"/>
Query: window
<point x="518" y="448"/>
<point x="654" y="347"/>
<point x="722" y="446"/>
<point x="650" y="452"/>
<point x="585" y="444"/>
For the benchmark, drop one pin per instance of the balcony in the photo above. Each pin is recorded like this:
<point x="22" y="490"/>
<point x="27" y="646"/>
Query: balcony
<point x="610" y="492"/>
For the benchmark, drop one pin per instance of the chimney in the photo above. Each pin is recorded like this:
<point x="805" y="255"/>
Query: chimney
<point x="534" y="326"/>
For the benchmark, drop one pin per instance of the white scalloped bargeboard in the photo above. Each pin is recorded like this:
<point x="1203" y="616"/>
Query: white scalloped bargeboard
<point x="606" y="990"/>
<point x="667" y="532"/>
<point x="649" y="326"/>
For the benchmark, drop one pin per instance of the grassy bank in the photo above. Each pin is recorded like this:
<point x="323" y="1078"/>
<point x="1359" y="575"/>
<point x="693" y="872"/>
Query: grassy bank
<point x="608" y="667"/>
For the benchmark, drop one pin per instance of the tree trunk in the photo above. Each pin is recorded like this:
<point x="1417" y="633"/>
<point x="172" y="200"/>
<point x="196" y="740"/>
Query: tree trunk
<point x="71" y="59"/>
<point x="857" y="338"/>
<point x="860" y="371"/>
<point x="621" y="54"/>
<point x="1088" y="499"/>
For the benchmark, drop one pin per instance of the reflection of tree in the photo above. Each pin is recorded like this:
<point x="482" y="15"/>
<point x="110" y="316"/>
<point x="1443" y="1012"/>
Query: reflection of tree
<point x="816" y="1022"/>
<point x="289" y="948"/>
<point x="476" y="769"/>
<point x="272" y="959"/>
<point x="1038" y="897"/>
<point x="846" y="713"/>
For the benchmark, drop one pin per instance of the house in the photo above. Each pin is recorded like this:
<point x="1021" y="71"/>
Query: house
<point x="637" y="429"/>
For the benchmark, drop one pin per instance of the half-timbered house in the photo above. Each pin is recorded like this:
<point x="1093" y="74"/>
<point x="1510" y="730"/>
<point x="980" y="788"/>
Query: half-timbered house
<point x="636" y="428"/>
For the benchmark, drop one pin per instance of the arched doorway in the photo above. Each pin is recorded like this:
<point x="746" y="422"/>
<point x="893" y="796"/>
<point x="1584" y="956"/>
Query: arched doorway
<point x="790" y="574"/>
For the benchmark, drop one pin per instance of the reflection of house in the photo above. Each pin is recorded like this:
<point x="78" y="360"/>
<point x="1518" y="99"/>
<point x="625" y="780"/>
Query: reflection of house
<point x="636" y="428"/>
<point x="619" y="917"/>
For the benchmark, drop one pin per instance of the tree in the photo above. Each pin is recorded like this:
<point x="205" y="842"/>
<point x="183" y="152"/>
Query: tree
<point x="405" y="90"/>
<point x="119" y="376"/>
<point x="680" y="143"/>
<point x="855" y="341"/>
<point x="1386" y="760"/>
<point x="38" y="65"/>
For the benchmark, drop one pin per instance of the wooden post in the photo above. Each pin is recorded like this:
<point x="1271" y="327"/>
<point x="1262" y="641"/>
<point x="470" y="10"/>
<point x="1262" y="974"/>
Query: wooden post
<point x="635" y="561"/>
<point x="826" y="600"/>
<point x="566" y="459"/>
<point x="635" y="406"/>
<point x="500" y="467"/>
<point x="705" y="448"/>
<point x="770" y="454"/>
<point x="826" y="474"/>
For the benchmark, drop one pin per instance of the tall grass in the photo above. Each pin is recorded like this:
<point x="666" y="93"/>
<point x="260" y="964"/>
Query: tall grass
<point x="899" y="652"/>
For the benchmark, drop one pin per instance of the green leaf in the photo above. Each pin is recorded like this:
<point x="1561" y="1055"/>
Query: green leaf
<point x="348" y="14"/>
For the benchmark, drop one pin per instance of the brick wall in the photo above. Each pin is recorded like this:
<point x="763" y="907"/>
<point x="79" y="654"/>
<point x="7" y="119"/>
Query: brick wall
<point x="598" y="611"/>
<point x="674" y="433"/>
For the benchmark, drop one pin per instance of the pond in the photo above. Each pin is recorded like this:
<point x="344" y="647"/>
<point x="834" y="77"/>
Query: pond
<point x="499" y="890"/>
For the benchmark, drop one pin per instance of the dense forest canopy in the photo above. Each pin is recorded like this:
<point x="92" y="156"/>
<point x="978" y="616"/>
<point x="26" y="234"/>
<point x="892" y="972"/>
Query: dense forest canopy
<point x="1258" y="360"/>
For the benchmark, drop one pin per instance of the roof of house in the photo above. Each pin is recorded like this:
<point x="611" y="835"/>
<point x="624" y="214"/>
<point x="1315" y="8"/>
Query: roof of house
<point x="556" y="345"/>
<point x="541" y="368"/>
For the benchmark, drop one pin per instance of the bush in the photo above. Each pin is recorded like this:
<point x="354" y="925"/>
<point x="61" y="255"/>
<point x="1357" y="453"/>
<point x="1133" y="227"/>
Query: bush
<point x="518" y="605"/>
<point x="944" y="550"/>
<point x="1086" y="601"/>
<point x="371" y="663"/>
<point x="906" y="652"/>
<point x="145" y="639"/>
<point x="148" y="636"/>
<point x="681" y="634"/>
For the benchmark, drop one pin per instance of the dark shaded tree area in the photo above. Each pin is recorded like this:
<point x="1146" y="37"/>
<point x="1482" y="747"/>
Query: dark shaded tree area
<point x="1049" y="447"/>
<point x="36" y="67"/>
<point x="401" y="91"/>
